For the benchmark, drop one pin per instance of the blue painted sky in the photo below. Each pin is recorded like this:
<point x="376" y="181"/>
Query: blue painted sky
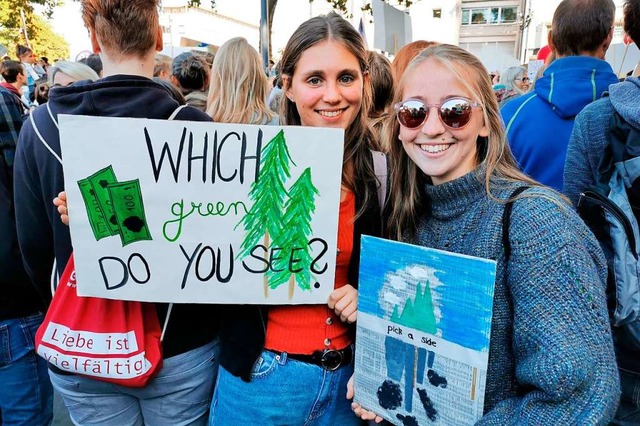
<point x="462" y="287"/>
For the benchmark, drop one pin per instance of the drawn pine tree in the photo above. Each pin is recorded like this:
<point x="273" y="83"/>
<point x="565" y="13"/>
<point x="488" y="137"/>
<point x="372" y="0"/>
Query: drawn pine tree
<point x="295" y="234"/>
<point x="265" y="219"/>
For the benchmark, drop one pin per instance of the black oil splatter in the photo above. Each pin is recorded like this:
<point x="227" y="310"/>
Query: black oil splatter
<point x="113" y="219"/>
<point x="92" y="192"/>
<point x="103" y="183"/>
<point x="133" y="223"/>
<point x="389" y="395"/>
<point x="316" y="285"/>
<point x="432" y="413"/>
<point x="407" y="420"/>
<point x="437" y="380"/>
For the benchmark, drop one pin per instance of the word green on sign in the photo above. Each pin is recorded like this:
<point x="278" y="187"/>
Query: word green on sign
<point x="114" y="208"/>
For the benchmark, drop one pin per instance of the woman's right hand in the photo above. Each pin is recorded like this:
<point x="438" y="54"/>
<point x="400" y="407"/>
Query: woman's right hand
<point x="61" y="203"/>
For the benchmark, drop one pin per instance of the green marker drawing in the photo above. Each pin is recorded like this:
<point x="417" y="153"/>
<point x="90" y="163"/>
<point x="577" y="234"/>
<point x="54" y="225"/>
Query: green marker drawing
<point x="97" y="220"/>
<point x="267" y="193"/>
<point x="294" y="236"/>
<point x="126" y="198"/>
<point x="99" y="182"/>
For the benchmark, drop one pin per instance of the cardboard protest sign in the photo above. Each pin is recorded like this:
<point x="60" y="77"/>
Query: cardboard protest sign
<point x="423" y="331"/>
<point x="170" y="211"/>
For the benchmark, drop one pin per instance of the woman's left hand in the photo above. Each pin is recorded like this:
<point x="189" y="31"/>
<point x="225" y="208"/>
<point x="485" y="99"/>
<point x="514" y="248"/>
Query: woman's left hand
<point x="344" y="302"/>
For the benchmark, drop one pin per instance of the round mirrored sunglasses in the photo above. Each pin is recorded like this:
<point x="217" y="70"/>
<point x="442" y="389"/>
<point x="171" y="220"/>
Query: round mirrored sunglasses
<point x="454" y="113"/>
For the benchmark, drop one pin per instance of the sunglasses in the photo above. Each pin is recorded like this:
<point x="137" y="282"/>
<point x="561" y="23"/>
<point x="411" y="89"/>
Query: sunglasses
<point x="454" y="113"/>
<point x="523" y="79"/>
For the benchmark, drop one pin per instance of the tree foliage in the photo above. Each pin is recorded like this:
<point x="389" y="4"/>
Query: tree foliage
<point x="43" y="40"/>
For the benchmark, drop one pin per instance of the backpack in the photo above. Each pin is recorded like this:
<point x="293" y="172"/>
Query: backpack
<point x="611" y="209"/>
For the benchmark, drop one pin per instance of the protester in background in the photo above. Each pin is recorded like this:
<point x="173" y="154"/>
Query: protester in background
<point x="15" y="78"/>
<point x="42" y="91"/>
<point x="162" y="67"/>
<point x="94" y="62"/>
<point x="539" y="123"/>
<point x="63" y="73"/>
<point x="175" y="93"/>
<point x="275" y="93"/>
<point x="238" y="88"/>
<point x="190" y="73"/>
<point x="127" y="36"/>
<point x="515" y="83"/>
<point x="28" y="58"/>
<point x="290" y="364"/>
<point x="589" y="140"/>
<point x="45" y="64"/>
<point x="551" y="356"/>
<point x="406" y="54"/>
<point x="26" y="395"/>
<point x="381" y="78"/>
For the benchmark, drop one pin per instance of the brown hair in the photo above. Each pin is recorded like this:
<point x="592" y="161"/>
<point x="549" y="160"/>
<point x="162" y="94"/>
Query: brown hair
<point x="580" y="26"/>
<point x="161" y="64"/>
<point x="10" y="70"/>
<point x="407" y="180"/>
<point x="358" y="137"/>
<point x="406" y="54"/>
<point x="123" y="27"/>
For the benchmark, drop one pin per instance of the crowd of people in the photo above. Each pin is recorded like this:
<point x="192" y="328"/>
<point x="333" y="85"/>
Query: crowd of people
<point x="456" y="155"/>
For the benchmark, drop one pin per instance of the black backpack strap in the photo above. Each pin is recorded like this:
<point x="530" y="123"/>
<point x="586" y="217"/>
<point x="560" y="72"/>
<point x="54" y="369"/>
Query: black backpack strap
<point x="506" y="221"/>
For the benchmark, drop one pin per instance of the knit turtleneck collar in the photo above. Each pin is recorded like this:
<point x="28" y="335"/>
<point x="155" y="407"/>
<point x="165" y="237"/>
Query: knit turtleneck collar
<point x="451" y="199"/>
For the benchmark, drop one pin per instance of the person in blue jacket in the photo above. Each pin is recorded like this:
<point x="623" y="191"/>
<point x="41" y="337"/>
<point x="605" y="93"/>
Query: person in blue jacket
<point x="539" y="123"/>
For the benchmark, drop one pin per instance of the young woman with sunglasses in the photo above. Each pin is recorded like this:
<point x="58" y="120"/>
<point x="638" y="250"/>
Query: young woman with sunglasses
<point x="551" y="358"/>
<point x="289" y="365"/>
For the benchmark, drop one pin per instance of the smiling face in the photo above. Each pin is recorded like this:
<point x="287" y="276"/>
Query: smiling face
<point x="442" y="153"/>
<point x="326" y="86"/>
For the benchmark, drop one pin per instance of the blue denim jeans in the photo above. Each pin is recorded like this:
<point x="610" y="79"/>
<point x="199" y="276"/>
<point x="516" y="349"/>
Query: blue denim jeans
<point x="179" y="395"/>
<point x="26" y="395"/>
<point x="629" y="409"/>
<point x="283" y="392"/>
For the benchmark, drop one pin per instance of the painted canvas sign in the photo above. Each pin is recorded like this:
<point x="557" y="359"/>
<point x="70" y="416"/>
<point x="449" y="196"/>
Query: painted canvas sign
<point x="423" y="329"/>
<point x="170" y="211"/>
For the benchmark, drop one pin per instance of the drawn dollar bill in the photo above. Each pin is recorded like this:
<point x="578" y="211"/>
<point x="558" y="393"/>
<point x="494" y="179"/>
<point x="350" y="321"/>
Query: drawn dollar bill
<point x="99" y="181"/>
<point x="97" y="220"/>
<point x="126" y="199"/>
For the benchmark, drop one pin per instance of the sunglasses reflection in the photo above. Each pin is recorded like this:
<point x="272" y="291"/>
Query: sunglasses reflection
<point x="454" y="113"/>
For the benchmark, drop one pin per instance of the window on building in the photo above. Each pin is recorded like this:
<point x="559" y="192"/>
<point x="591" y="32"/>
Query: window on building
<point x="479" y="16"/>
<point x="465" y="16"/>
<point x="509" y="15"/>
<point x="493" y="15"/>
<point x="437" y="13"/>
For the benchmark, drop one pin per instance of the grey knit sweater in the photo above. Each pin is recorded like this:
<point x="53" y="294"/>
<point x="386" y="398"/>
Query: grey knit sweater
<point x="551" y="359"/>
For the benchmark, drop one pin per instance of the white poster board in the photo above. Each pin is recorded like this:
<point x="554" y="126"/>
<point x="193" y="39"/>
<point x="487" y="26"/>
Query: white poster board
<point x="533" y="67"/>
<point x="193" y="212"/>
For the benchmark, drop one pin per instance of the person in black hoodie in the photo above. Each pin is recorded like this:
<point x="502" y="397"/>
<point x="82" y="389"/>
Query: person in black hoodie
<point x="26" y="395"/>
<point x="126" y="34"/>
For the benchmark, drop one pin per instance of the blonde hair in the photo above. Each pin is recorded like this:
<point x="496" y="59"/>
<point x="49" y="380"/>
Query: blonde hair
<point x="238" y="85"/>
<point x="407" y="180"/>
<point x="76" y="70"/>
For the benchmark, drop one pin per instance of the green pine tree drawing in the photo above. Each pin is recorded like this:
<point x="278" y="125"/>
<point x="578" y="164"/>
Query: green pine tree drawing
<point x="268" y="192"/>
<point x="295" y="235"/>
